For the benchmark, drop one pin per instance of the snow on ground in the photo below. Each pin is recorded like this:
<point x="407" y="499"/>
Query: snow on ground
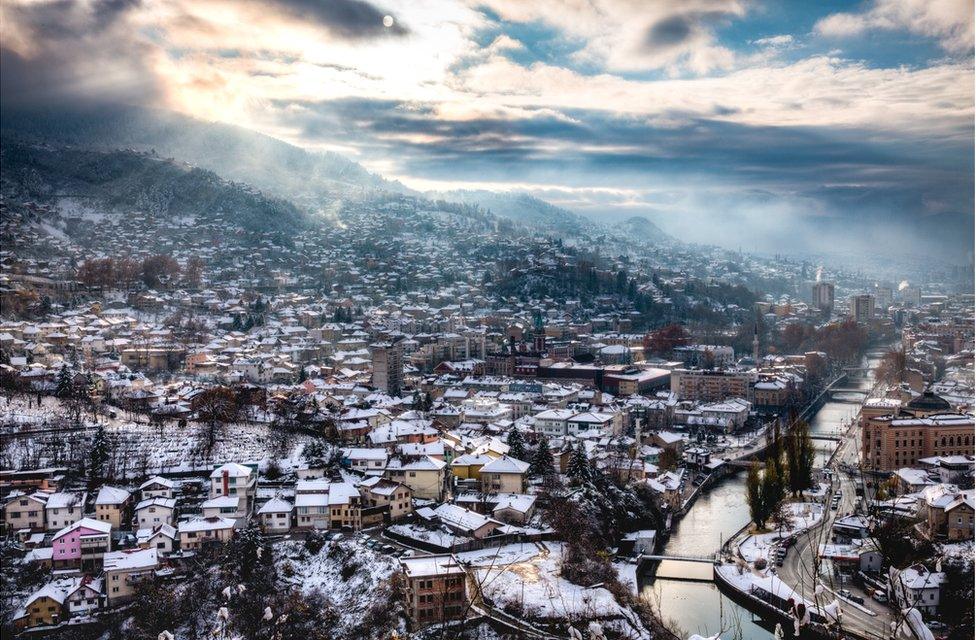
<point x="440" y="537"/>
<point x="803" y="515"/>
<point x="532" y="588"/>
<point x="627" y="574"/>
<point x="353" y="578"/>
<point x="498" y="556"/>
<point x="958" y="551"/>
<point x="139" y="448"/>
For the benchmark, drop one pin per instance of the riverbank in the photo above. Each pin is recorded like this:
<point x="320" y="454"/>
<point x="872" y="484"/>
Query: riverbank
<point x="690" y="605"/>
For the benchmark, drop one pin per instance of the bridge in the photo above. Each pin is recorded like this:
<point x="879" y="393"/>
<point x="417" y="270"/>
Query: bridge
<point x="817" y="436"/>
<point x="703" y="559"/>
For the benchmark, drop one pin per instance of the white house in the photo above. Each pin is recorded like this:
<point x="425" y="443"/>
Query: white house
<point x="152" y="512"/>
<point x="275" y="515"/>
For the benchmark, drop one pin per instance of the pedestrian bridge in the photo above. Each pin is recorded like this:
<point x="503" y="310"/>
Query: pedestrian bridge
<point x="704" y="559"/>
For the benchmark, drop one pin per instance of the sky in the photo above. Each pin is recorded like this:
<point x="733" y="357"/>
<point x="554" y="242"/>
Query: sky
<point x="737" y="112"/>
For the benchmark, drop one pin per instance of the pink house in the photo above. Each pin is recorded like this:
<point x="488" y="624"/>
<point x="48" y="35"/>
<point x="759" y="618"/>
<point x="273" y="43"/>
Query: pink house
<point x="82" y="544"/>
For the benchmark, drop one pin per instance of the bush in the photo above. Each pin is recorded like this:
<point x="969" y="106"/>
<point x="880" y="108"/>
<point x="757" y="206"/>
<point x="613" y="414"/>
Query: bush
<point x="314" y="542"/>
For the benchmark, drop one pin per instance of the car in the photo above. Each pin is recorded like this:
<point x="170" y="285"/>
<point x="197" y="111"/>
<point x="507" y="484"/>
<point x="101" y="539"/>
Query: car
<point x="388" y="548"/>
<point x="857" y="599"/>
<point x="833" y="507"/>
<point x="879" y="596"/>
<point x="936" y="625"/>
<point x="845" y="593"/>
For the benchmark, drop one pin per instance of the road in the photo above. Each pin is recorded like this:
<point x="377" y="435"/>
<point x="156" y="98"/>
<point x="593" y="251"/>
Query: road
<point x="798" y="568"/>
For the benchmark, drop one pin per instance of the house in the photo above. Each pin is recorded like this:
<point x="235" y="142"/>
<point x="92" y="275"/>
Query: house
<point x="44" y="607"/>
<point x="425" y="477"/>
<point x="157" y="487"/>
<point x="917" y="587"/>
<point x="697" y="456"/>
<point x="124" y="570"/>
<point x="63" y="509"/>
<point x="274" y="516"/>
<point x="505" y="475"/>
<point x="468" y="466"/>
<point x="668" y="486"/>
<point x="82" y="544"/>
<point x="112" y="506"/>
<point x="26" y="512"/>
<point x="152" y="512"/>
<point x="435" y="589"/>
<point x="463" y="521"/>
<point x="384" y="501"/>
<point x="912" y="480"/>
<point x="234" y="479"/>
<point x="162" y="537"/>
<point x="195" y="533"/>
<point x="85" y="596"/>
<point x="639" y="542"/>
<point x="232" y="506"/>
<point x="587" y="421"/>
<point x="553" y="422"/>
<point x="365" y="460"/>
<point x="668" y="440"/>
<point x="312" y="510"/>
<point x="514" y="508"/>
<point x="948" y="512"/>
<point x="344" y="506"/>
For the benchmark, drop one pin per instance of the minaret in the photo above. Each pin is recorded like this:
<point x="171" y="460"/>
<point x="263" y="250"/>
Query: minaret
<point x="755" y="344"/>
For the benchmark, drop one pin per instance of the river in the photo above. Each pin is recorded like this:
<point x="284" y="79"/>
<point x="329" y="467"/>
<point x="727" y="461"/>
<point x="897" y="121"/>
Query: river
<point x="699" y="607"/>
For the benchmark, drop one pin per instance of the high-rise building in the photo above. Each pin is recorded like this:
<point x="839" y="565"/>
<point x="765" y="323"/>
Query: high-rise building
<point x="911" y="295"/>
<point x="884" y="296"/>
<point x="862" y="307"/>
<point x="823" y="296"/>
<point x="388" y="366"/>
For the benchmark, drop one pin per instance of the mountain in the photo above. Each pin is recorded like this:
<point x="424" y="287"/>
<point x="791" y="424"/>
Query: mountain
<point x="128" y="180"/>
<point x="232" y="152"/>
<point x="523" y="208"/>
<point x="310" y="179"/>
<point x="643" y="229"/>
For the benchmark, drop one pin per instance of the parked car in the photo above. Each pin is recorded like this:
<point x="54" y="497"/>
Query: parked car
<point x="935" y="625"/>
<point x="879" y="596"/>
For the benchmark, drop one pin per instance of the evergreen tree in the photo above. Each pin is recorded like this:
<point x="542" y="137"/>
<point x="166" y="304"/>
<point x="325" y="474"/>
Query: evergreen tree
<point x="98" y="455"/>
<point x="516" y="444"/>
<point x="541" y="465"/>
<point x="314" y="453"/>
<point x="64" y="387"/>
<point x="578" y="468"/>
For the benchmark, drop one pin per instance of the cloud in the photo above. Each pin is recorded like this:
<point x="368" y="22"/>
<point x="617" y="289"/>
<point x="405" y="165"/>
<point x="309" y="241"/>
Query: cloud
<point x="783" y="40"/>
<point x="347" y="18"/>
<point x="634" y="35"/>
<point x="948" y="21"/>
<point x="61" y="50"/>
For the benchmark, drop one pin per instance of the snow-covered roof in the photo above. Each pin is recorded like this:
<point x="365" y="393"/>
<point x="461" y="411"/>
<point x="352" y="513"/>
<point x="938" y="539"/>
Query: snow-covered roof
<point x="111" y="495"/>
<point x="130" y="559"/>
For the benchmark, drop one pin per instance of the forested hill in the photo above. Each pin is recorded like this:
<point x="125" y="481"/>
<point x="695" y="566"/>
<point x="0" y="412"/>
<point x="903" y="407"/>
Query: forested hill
<point x="125" y="179"/>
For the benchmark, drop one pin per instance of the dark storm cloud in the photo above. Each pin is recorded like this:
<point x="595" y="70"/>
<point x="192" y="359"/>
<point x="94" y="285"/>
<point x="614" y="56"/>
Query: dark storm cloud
<point x="671" y="31"/>
<point x="680" y="29"/>
<point x="80" y="52"/>
<point x="352" y="19"/>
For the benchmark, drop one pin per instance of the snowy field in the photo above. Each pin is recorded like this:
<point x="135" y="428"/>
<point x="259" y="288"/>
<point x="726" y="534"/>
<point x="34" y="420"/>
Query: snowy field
<point x="533" y="588"/>
<point x="138" y="449"/>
